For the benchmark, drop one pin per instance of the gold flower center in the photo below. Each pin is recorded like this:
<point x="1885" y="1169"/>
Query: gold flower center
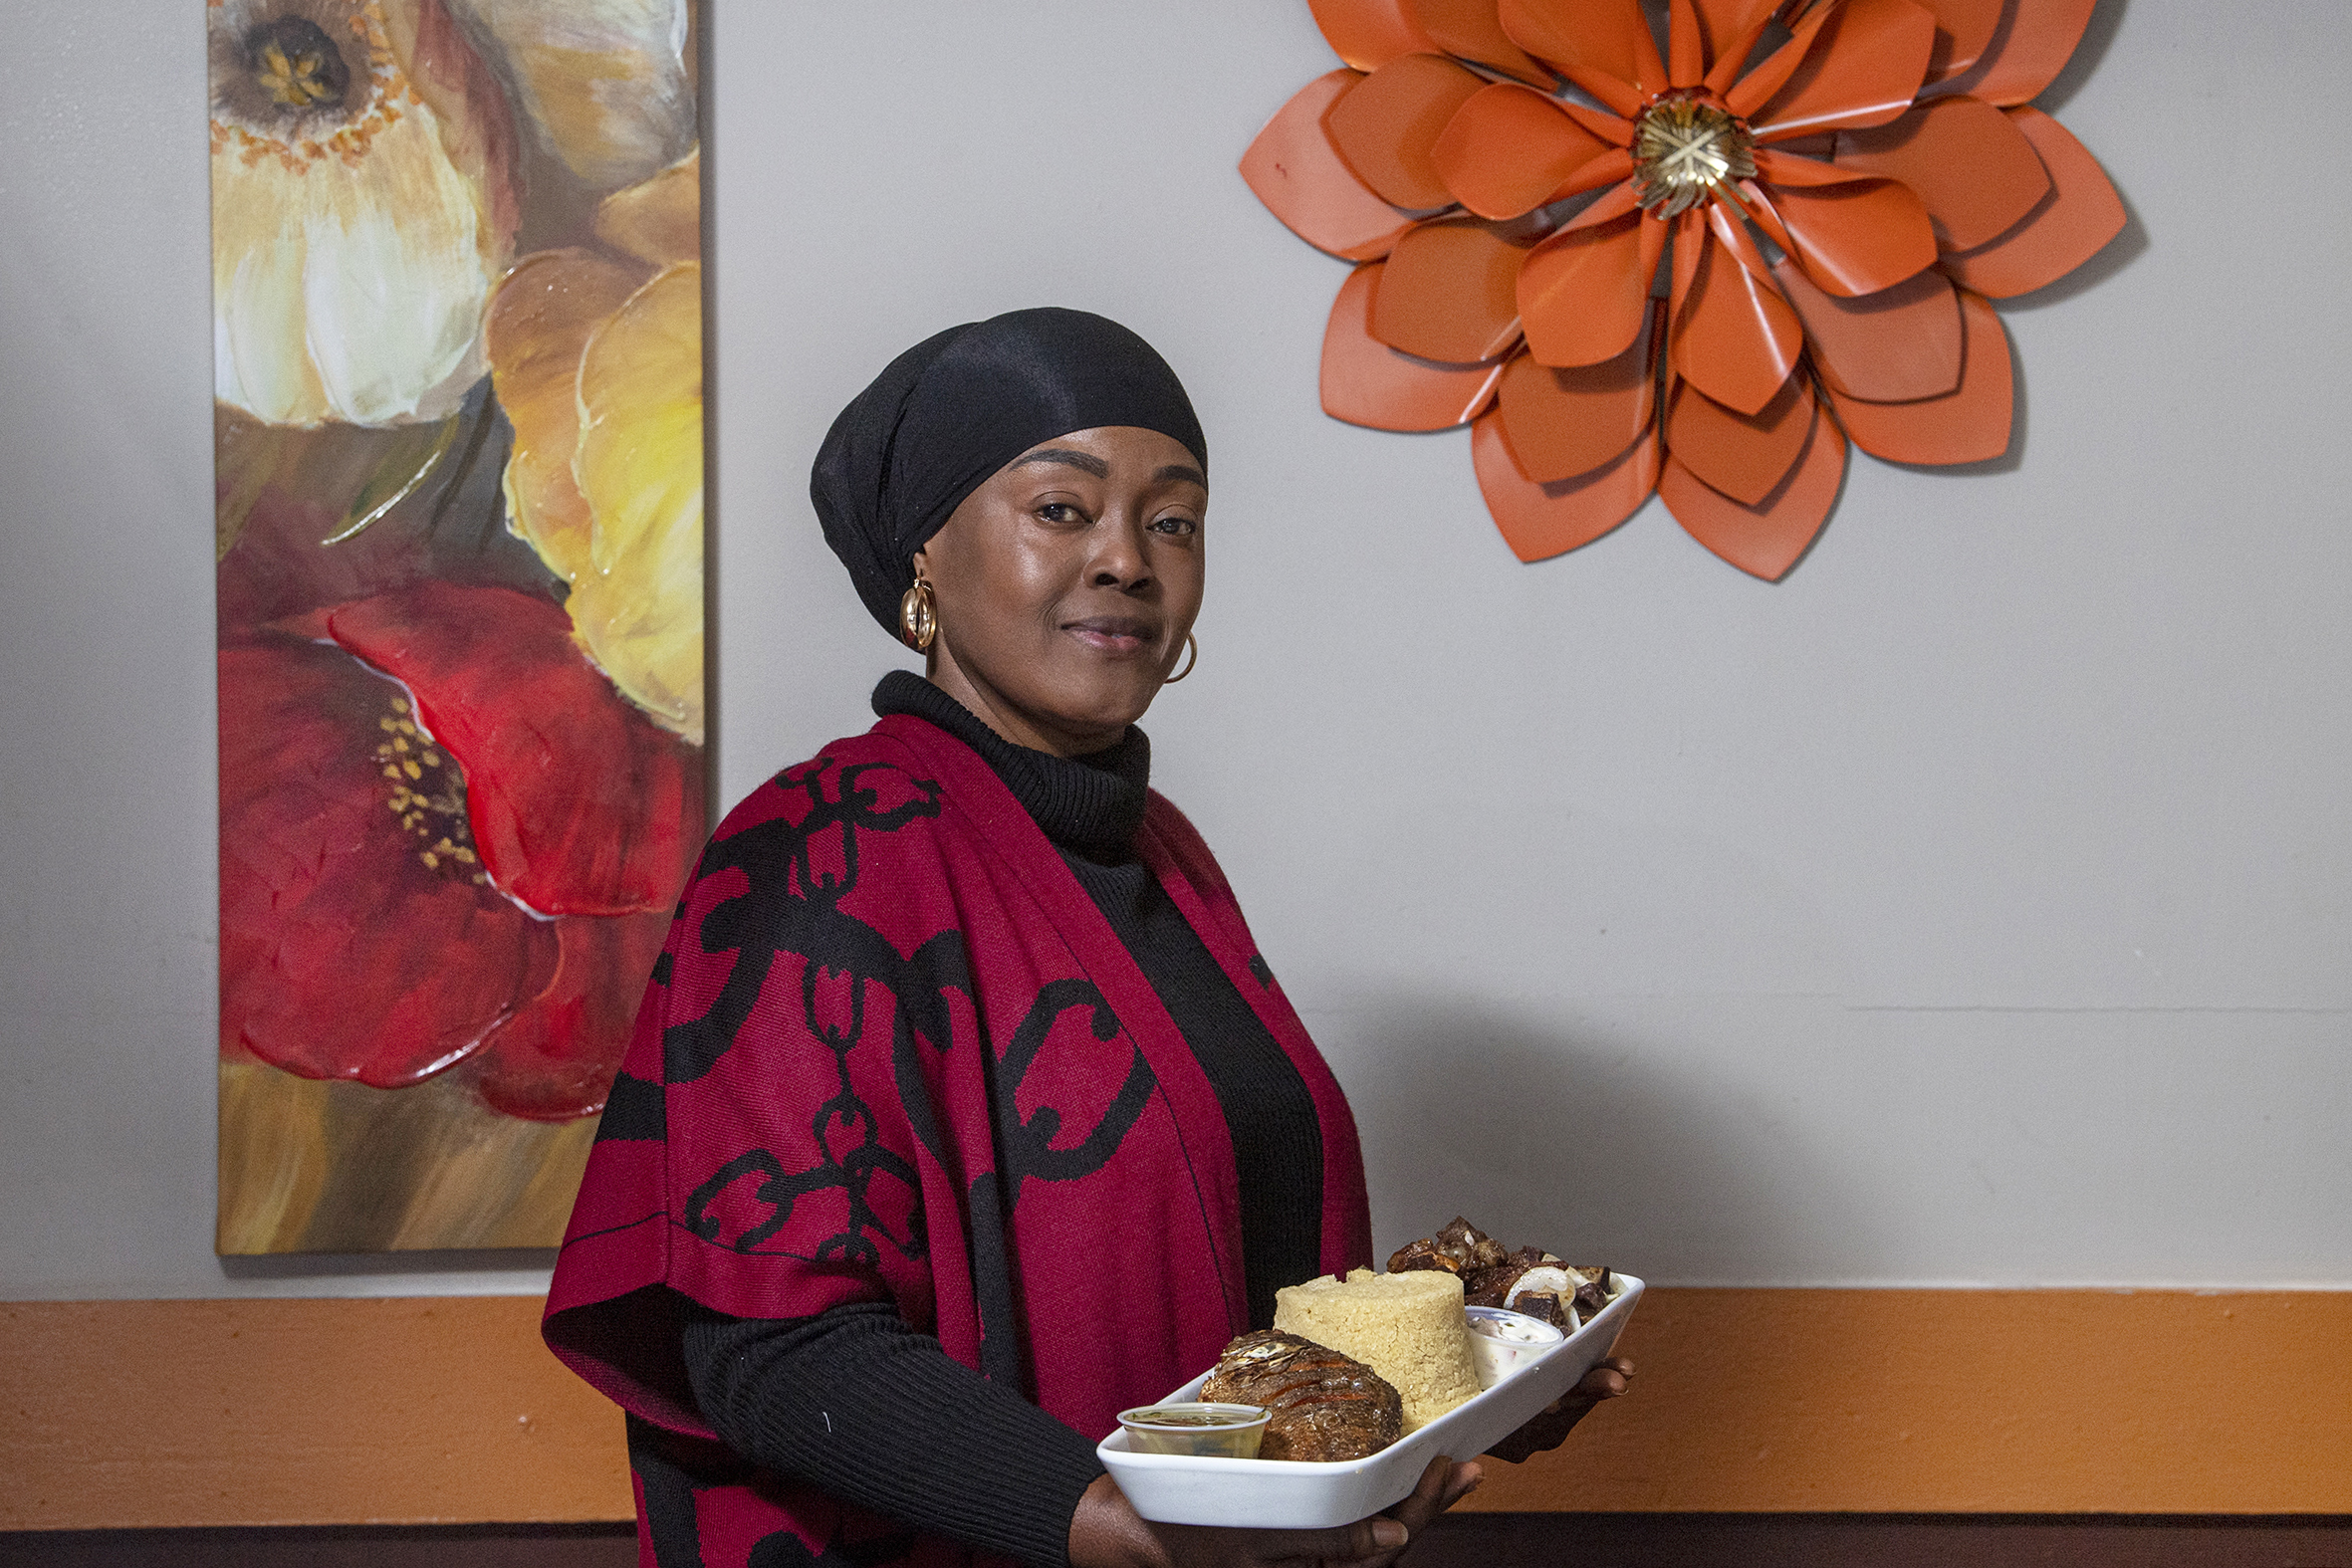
<point x="296" y="64"/>
<point x="1684" y="146"/>
<point x="426" y="792"/>
<point x="300" y="80"/>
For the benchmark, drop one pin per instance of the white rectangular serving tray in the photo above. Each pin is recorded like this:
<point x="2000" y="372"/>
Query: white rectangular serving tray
<point x="1287" y="1494"/>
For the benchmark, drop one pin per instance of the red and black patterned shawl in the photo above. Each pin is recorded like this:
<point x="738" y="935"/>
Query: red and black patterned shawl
<point x="892" y="1051"/>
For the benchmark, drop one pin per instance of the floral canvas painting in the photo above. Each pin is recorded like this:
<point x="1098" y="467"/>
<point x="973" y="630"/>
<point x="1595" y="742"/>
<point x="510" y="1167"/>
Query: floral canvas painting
<point x="457" y="326"/>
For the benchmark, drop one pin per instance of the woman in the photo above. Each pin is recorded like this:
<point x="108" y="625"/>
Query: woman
<point x="962" y="1111"/>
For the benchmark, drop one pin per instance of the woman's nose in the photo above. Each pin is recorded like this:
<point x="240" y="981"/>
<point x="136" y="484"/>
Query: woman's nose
<point x="1119" y="557"/>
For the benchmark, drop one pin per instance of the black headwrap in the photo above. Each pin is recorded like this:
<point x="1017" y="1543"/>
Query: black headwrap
<point x="955" y="408"/>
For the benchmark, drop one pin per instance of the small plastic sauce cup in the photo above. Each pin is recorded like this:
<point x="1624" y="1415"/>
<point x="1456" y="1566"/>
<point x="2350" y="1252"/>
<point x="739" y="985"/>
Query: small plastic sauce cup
<point x="1503" y="1341"/>
<point x="1226" y="1432"/>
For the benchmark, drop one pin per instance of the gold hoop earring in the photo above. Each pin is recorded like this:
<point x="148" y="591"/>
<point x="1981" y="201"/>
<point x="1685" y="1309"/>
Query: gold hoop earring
<point x="1192" y="649"/>
<point x="918" y="616"/>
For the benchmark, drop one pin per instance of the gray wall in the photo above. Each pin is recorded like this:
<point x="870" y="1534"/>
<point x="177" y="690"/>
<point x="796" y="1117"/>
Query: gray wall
<point x="1972" y="907"/>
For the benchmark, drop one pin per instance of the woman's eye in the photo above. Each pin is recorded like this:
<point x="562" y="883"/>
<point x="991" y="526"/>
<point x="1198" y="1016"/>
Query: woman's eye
<point x="1060" y="512"/>
<point x="1175" y="525"/>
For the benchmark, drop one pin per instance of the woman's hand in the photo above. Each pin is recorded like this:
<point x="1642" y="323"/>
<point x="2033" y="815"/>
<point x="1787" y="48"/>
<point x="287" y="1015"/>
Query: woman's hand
<point x="1106" y="1532"/>
<point x="1548" y="1431"/>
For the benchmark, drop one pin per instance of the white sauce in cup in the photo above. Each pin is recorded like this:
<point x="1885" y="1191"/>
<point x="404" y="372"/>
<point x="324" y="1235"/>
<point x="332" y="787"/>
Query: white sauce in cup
<point x="1503" y="1341"/>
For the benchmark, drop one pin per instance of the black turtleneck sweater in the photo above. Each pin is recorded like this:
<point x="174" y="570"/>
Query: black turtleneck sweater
<point x="831" y="1398"/>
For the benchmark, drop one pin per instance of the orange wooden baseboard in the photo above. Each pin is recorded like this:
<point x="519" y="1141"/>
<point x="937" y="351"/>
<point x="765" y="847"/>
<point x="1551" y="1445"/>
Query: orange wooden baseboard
<point x="433" y="1410"/>
<point x="126" y="1413"/>
<point x="1965" y="1401"/>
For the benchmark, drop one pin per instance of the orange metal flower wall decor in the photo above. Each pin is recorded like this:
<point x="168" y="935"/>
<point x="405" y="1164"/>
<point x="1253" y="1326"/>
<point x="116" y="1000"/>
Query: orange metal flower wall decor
<point x="1700" y="270"/>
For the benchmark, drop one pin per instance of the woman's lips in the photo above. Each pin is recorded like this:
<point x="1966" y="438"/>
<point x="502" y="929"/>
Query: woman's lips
<point x="1116" y="635"/>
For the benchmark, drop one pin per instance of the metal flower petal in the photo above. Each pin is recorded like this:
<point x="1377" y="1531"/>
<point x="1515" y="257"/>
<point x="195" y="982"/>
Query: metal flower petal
<point x="1585" y="292"/>
<point x="1387" y="124"/>
<point x="1366" y="382"/>
<point x="1293" y="168"/>
<point x="1736" y="337"/>
<point x="2072" y="223"/>
<point x="1566" y="423"/>
<point x="1745" y="456"/>
<point x="1969" y="165"/>
<point x="1539" y="519"/>
<point x="1449" y="293"/>
<point x="1510" y="149"/>
<point x="1767" y="538"/>
<point x="1968" y="424"/>
<point x="1369" y="34"/>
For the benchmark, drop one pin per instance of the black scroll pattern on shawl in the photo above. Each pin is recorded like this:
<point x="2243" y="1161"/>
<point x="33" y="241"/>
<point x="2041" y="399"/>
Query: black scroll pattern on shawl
<point x="1025" y="1149"/>
<point x="796" y="873"/>
<point x="1025" y="1146"/>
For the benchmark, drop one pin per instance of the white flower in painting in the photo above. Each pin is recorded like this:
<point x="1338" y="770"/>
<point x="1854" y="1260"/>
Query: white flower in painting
<point x="367" y="185"/>
<point x="362" y="208"/>
<point x="604" y="84"/>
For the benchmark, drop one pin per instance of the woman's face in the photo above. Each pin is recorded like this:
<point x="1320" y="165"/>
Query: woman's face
<point x="1066" y="584"/>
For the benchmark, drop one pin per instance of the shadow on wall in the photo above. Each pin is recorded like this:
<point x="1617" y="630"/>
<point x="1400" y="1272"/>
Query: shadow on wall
<point x="2128" y="246"/>
<point x="1590" y="1147"/>
<point x="2098" y="33"/>
<point x="422" y="1264"/>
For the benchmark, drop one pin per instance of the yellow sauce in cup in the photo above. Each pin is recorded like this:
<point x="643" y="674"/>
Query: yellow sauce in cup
<point x="1230" y="1432"/>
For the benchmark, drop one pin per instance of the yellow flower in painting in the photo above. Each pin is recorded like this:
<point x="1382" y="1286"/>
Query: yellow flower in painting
<point x="597" y="356"/>
<point x="638" y="607"/>
<point x="362" y="208"/>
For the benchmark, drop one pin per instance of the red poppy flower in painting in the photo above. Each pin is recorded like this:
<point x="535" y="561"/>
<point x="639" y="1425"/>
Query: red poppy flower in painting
<point x="1698" y="271"/>
<point x="445" y="839"/>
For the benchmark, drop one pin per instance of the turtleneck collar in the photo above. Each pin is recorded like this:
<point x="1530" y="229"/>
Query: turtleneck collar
<point x="1089" y="806"/>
